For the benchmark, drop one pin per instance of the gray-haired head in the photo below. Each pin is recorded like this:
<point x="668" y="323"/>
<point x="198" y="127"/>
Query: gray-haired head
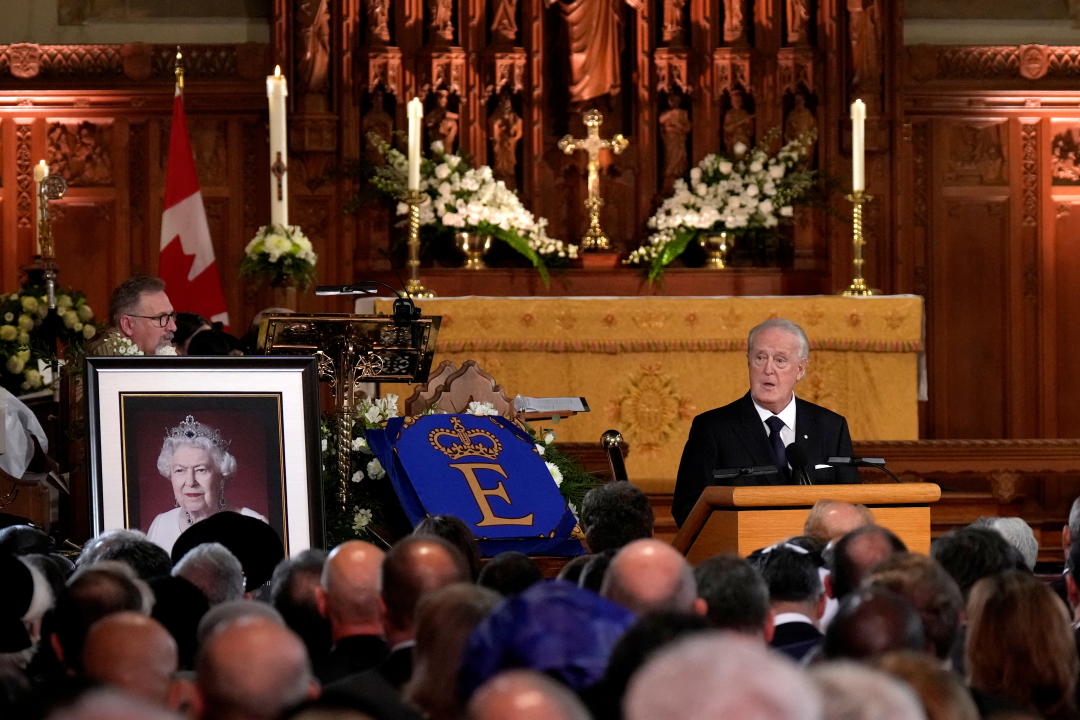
<point x="856" y="692"/>
<point x="1017" y="533"/>
<point x="786" y="326"/>
<point x="212" y="568"/>
<point x="224" y="613"/>
<point x="196" y="434"/>
<point x="125" y="298"/>
<point x="720" y="675"/>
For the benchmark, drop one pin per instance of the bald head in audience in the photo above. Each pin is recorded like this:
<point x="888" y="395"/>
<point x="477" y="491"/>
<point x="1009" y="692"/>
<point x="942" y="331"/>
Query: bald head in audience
<point x="871" y="622"/>
<point x="720" y="675"/>
<point x="414" y="567"/>
<point x="830" y="520"/>
<point x="649" y="575"/>
<point x="132" y="652"/>
<point x="857" y="553"/>
<point x="525" y="695"/>
<point x="349" y="594"/>
<point x="253" y="669"/>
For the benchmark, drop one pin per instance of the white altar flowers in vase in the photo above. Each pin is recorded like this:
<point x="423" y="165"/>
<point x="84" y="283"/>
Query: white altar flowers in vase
<point x="280" y="256"/>
<point x="468" y="199"/>
<point x="752" y="190"/>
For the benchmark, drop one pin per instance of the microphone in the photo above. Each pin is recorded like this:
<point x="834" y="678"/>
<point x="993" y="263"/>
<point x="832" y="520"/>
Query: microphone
<point x="874" y="462"/>
<point x="800" y="469"/>
<point x="751" y="471"/>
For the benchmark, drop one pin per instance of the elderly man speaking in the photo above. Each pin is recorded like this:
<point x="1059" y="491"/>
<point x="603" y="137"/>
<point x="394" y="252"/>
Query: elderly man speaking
<point x="756" y="429"/>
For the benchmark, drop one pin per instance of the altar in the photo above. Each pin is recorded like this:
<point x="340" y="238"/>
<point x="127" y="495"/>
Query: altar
<point x="648" y="365"/>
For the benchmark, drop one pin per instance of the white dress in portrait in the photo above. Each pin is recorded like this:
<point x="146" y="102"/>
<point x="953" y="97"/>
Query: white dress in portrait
<point x="166" y="527"/>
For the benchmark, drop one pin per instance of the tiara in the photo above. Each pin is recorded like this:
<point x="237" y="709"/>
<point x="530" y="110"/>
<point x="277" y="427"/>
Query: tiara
<point x="190" y="429"/>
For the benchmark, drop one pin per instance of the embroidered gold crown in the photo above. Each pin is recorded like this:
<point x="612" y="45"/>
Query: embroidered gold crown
<point x="459" y="442"/>
<point x="190" y="429"/>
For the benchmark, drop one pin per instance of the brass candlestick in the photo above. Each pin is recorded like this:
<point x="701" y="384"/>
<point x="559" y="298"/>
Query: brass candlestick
<point x="858" y="287"/>
<point x="414" y="199"/>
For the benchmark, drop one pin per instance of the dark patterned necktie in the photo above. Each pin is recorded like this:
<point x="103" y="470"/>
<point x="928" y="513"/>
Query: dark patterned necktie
<point x="778" y="449"/>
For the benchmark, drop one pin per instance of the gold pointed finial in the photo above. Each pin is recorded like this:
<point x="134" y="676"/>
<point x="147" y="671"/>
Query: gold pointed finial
<point x="178" y="68"/>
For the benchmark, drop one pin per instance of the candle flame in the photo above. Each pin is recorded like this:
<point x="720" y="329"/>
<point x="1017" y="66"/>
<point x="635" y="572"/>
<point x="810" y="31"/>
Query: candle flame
<point x="277" y="71"/>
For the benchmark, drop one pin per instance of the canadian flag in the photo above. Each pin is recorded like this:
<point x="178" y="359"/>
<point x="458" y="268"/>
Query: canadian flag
<point x="187" y="263"/>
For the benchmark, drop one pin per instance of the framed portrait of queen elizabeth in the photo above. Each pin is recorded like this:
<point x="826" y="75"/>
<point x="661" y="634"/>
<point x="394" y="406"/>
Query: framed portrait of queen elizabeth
<point x="174" y="440"/>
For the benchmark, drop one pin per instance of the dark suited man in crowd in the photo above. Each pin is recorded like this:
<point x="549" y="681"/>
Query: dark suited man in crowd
<point x="756" y="429"/>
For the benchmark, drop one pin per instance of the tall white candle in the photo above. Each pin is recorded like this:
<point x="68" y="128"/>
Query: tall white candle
<point x="41" y="171"/>
<point x="276" y="92"/>
<point x="416" y="114"/>
<point x="858" y="146"/>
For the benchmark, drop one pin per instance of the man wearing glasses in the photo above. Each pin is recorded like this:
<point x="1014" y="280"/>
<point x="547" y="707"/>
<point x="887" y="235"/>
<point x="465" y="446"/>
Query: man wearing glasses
<point x="757" y="429"/>
<point x="141" y="311"/>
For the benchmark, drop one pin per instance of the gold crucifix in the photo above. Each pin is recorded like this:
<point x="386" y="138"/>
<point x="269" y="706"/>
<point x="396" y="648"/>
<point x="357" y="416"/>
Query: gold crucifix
<point x="594" y="238"/>
<point x="279" y="169"/>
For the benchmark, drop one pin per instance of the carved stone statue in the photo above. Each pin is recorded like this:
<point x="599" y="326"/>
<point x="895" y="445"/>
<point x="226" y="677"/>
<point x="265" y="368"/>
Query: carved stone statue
<point x="505" y="129"/>
<point x="313" y="45"/>
<point x="378" y="28"/>
<point x="674" y="128"/>
<point x="738" y="122"/>
<point x="594" y="28"/>
<point x="441" y="122"/>
<point x="798" y="21"/>
<point x="440" y="19"/>
<point x="734" y="21"/>
<point x="378" y="122"/>
<point x="674" y="33"/>
<point x="800" y="120"/>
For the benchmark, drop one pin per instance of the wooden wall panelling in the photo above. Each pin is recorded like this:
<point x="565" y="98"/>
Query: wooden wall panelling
<point x="1022" y="332"/>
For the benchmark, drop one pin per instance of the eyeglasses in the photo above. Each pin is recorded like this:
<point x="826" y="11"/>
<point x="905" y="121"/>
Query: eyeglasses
<point x="162" y="320"/>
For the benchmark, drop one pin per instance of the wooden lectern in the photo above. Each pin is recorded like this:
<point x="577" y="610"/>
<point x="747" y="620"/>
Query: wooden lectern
<point x="743" y="519"/>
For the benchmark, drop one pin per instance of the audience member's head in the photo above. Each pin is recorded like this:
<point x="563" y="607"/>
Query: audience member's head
<point x="720" y="675"/>
<point x="571" y="571"/>
<point x="615" y="514"/>
<point x="413" y="567"/>
<point x="857" y="692"/>
<point x="644" y="639"/>
<point x="969" y="554"/>
<point x="214" y="341"/>
<point x="22" y="539"/>
<point x="214" y="570"/>
<point x="871" y="622"/>
<point x="179" y="606"/>
<point x="830" y="520"/>
<point x="931" y="591"/>
<point x="132" y="652"/>
<point x="148" y="559"/>
<point x="1071" y="530"/>
<point x="525" y="695"/>
<point x="444" y="619"/>
<point x="509" y="573"/>
<point x="453" y="530"/>
<point x="856" y="554"/>
<point x="92" y="593"/>
<point x="349" y="591"/>
<point x="736" y="595"/>
<point x="292" y="592"/>
<point x="187" y="324"/>
<point x="141" y="311"/>
<point x="595" y="570"/>
<point x="1020" y="646"/>
<point x="254" y="669"/>
<point x="26" y="597"/>
<point x="255" y="544"/>
<point x="226" y="613"/>
<point x="111" y="704"/>
<point x="791" y="574"/>
<point x="1017" y="533"/>
<point x="649" y="575"/>
<point x="941" y="692"/>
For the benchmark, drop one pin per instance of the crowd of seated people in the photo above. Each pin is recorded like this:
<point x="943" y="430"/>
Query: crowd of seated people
<point x="841" y="622"/>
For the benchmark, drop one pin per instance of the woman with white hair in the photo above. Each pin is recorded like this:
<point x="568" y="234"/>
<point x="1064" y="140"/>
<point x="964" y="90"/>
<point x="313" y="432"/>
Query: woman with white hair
<point x="196" y="460"/>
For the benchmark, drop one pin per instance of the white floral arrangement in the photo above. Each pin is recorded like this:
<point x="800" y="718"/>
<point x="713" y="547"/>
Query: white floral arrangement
<point x="751" y="190"/>
<point x="280" y="256"/>
<point x="28" y="343"/>
<point x="464" y="198"/>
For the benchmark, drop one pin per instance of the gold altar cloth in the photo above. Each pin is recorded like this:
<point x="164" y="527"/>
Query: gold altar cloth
<point x="648" y="365"/>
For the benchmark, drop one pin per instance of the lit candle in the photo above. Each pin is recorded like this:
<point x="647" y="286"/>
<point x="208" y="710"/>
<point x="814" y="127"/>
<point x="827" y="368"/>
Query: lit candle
<point x="858" y="146"/>
<point x="416" y="114"/>
<point x="276" y="92"/>
<point x="41" y="171"/>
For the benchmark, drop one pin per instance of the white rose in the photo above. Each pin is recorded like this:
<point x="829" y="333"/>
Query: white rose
<point x="89" y="331"/>
<point x="739" y="149"/>
<point x="85" y="313"/>
<point x="375" y="469"/>
<point x="359" y="444"/>
<point x="787" y="211"/>
<point x="357" y="476"/>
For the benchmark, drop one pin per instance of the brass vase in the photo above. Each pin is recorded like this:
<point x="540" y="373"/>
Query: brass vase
<point x="717" y="246"/>
<point x="474" y="245"/>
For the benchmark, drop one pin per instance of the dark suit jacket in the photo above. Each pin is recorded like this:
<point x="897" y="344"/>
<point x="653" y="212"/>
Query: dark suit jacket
<point x="733" y="436"/>
<point x="351" y="655"/>
<point x="796" y="639"/>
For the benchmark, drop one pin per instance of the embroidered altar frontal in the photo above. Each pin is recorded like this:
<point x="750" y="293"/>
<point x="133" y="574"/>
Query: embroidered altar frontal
<point x="648" y="365"/>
